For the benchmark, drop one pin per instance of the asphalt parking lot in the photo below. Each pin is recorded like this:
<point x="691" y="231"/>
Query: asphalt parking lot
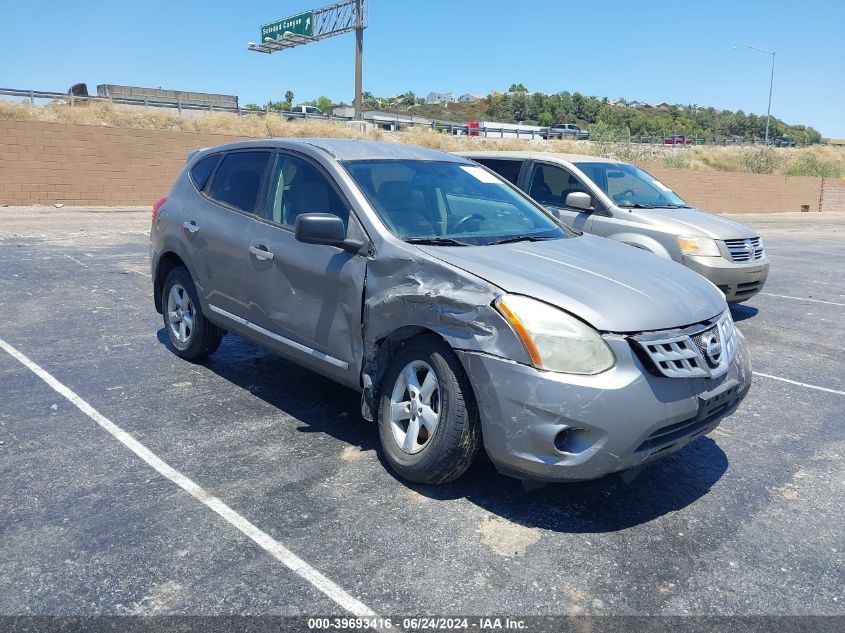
<point x="748" y="520"/>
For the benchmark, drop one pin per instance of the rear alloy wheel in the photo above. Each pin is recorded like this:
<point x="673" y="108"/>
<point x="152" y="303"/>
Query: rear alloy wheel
<point x="428" y="423"/>
<point x="191" y="334"/>
<point x="180" y="314"/>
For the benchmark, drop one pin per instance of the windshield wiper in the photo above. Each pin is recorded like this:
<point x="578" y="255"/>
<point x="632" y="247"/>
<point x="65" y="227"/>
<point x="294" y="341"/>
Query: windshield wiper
<point x="436" y="241"/>
<point x="637" y="205"/>
<point x="525" y="238"/>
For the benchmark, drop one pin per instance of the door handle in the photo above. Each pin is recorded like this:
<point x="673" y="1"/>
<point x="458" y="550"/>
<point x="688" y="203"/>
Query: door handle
<point x="260" y="252"/>
<point x="191" y="226"/>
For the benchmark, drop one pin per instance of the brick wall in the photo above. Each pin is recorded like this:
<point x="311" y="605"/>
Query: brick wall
<point x="45" y="163"/>
<point x="833" y="194"/>
<point x="729" y="192"/>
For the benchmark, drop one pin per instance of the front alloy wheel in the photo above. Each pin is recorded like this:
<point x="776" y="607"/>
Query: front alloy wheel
<point x="428" y="420"/>
<point x="415" y="406"/>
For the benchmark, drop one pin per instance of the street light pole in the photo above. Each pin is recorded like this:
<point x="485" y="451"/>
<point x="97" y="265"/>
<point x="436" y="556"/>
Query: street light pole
<point x="771" y="83"/>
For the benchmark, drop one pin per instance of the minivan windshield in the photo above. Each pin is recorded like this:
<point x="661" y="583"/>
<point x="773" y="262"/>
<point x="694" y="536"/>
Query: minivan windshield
<point x="631" y="187"/>
<point x="449" y="203"/>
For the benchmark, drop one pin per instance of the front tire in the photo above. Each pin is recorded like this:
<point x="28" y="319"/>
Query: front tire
<point x="192" y="335"/>
<point x="428" y="421"/>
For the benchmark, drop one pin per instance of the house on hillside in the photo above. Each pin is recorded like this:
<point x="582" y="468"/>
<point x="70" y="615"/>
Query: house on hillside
<point x="618" y="102"/>
<point x="637" y="104"/>
<point x="434" y="98"/>
<point x="469" y="98"/>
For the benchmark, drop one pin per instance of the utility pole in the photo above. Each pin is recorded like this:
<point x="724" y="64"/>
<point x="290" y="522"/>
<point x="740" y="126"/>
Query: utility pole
<point x="359" y="53"/>
<point x="771" y="83"/>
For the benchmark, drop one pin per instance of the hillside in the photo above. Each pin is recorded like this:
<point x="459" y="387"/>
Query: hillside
<point x="612" y="119"/>
<point x="818" y="160"/>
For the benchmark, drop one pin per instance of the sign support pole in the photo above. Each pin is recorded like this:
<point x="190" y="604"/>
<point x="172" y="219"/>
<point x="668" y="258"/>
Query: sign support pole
<point x="359" y="53"/>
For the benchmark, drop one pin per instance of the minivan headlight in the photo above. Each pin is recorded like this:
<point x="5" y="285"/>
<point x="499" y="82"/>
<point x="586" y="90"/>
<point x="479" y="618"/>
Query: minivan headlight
<point x="697" y="245"/>
<point x="555" y="340"/>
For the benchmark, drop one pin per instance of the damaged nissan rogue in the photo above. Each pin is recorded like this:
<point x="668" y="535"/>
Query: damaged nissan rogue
<point x="467" y="316"/>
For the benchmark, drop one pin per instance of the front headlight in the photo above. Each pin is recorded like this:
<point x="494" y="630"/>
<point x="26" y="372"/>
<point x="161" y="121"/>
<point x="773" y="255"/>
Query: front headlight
<point x="696" y="245"/>
<point x="555" y="340"/>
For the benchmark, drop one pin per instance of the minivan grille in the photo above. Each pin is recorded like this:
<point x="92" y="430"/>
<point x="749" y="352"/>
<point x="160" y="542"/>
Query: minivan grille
<point x="747" y="250"/>
<point x="698" y="353"/>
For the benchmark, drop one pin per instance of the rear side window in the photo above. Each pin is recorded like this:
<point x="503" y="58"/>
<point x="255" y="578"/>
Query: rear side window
<point x="202" y="170"/>
<point x="238" y="180"/>
<point x="507" y="169"/>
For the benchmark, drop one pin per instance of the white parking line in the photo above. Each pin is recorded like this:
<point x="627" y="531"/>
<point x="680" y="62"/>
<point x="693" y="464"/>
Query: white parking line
<point x="264" y="540"/>
<point x="800" y="384"/>
<point x="832" y="303"/>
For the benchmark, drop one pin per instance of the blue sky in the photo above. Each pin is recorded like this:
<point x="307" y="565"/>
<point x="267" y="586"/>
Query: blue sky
<point x="651" y="51"/>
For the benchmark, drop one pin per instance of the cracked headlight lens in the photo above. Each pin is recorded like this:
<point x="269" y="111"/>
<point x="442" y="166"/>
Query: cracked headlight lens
<point x="697" y="245"/>
<point x="555" y="340"/>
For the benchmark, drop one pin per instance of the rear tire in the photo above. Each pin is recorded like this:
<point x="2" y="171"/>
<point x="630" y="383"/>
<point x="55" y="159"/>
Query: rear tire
<point x="425" y="386"/>
<point x="192" y="335"/>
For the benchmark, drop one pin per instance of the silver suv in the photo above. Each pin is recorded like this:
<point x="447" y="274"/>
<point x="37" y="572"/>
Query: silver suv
<point x="466" y="315"/>
<point x="620" y="201"/>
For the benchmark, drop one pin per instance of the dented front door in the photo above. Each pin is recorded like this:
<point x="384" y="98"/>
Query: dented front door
<point x="306" y="298"/>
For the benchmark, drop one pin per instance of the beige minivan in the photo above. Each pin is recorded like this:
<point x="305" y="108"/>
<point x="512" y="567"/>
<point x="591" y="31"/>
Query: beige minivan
<point x="617" y="200"/>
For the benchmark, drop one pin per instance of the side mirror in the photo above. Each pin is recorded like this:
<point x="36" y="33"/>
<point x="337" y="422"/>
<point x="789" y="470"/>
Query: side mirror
<point x="323" y="228"/>
<point x="579" y="200"/>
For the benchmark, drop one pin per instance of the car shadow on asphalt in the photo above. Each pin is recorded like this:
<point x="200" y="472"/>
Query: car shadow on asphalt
<point x="608" y="504"/>
<point x="605" y="505"/>
<point x="740" y="312"/>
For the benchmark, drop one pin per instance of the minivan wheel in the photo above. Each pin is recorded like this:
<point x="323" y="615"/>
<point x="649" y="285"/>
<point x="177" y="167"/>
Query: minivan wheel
<point x="191" y="334"/>
<point x="428" y="423"/>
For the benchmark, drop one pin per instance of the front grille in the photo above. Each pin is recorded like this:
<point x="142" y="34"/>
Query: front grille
<point x="751" y="286"/>
<point x="747" y="250"/>
<point x="700" y="352"/>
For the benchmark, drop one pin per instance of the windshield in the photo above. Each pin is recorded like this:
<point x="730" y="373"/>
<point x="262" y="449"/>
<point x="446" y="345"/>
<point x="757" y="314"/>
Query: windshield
<point x="448" y="203"/>
<point x="629" y="186"/>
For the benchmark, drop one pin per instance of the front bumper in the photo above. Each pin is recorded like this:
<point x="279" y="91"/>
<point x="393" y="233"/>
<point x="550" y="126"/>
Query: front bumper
<point x="737" y="281"/>
<point x="558" y="427"/>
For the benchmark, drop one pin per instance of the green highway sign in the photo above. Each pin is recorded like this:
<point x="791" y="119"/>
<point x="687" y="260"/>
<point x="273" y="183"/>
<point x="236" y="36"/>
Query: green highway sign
<point x="301" y="24"/>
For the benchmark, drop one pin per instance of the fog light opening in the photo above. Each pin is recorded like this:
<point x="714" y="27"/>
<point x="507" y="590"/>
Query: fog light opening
<point x="572" y="440"/>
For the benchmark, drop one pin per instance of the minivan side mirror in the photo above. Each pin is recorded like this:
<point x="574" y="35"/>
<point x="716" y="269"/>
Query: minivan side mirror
<point x="579" y="200"/>
<point x="323" y="228"/>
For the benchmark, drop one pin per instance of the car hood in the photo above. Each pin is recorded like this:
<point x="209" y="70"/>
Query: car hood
<point x="693" y="222"/>
<point x="612" y="286"/>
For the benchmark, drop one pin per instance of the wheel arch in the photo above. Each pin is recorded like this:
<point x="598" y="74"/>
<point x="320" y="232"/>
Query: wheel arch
<point x="167" y="262"/>
<point x="387" y="347"/>
<point x="645" y="243"/>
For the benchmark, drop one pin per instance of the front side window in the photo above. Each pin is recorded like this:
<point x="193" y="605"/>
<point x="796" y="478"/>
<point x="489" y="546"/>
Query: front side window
<point x="296" y="187"/>
<point x="549" y="185"/>
<point x="449" y="203"/>
<point x="238" y="179"/>
<point x="631" y="187"/>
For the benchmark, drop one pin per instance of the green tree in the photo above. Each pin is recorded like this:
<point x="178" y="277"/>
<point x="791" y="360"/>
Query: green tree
<point x="518" y="88"/>
<point x="324" y="103"/>
<point x="289" y="99"/>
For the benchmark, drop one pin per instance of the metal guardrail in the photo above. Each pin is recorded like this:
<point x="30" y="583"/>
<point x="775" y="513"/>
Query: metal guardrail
<point x="384" y="122"/>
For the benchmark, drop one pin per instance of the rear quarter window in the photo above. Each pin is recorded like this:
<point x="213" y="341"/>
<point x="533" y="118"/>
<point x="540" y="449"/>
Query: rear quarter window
<point x="507" y="169"/>
<point x="202" y="170"/>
